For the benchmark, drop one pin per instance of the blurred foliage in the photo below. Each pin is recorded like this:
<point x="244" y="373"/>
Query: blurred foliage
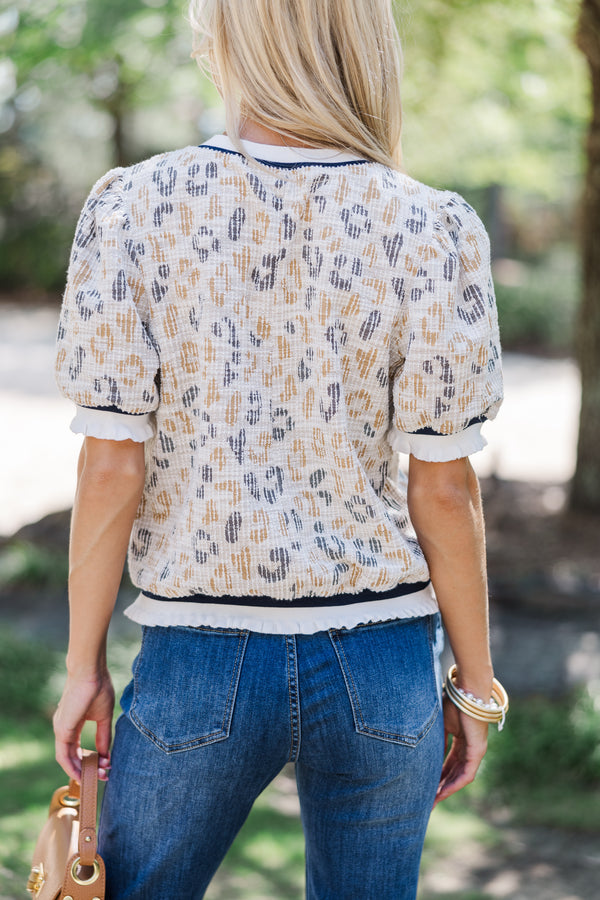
<point x="84" y="85"/>
<point x="23" y="563"/>
<point x="537" y="302"/>
<point x="25" y="672"/>
<point x="495" y="105"/>
<point x="545" y="738"/>
<point x="495" y="92"/>
<point x="545" y="765"/>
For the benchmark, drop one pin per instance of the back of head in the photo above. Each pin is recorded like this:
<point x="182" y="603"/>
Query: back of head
<point x="325" y="71"/>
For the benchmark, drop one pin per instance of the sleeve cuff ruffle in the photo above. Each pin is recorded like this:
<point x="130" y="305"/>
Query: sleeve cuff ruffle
<point x="112" y="426"/>
<point x="438" y="447"/>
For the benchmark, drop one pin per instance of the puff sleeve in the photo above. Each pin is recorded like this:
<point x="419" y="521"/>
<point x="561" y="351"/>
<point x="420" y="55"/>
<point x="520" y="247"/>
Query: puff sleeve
<point x="106" y="359"/>
<point x="446" y="376"/>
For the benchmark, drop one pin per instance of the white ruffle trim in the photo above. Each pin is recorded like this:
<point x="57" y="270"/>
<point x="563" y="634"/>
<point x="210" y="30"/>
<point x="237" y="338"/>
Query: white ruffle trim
<point x="438" y="447"/>
<point x="147" y="611"/>
<point x="112" y="426"/>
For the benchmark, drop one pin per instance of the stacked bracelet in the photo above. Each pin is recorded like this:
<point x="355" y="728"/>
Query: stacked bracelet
<point x="493" y="711"/>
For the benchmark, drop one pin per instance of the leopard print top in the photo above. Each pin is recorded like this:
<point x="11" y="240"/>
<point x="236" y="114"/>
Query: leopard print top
<point x="286" y="327"/>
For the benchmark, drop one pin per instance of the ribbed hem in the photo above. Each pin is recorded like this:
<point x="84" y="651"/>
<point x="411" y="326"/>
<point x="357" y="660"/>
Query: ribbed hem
<point x="438" y="447"/>
<point x="346" y="598"/>
<point x="146" y="611"/>
<point x="112" y="426"/>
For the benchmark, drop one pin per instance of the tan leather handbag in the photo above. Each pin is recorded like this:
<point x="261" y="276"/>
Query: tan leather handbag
<point x="66" y="863"/>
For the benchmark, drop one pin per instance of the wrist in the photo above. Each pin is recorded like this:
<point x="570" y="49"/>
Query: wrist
<point x="86" y="669"/>
<point x="478" y="681"/>
<point x="475" y="706"/>
<point x="86" y="659"/>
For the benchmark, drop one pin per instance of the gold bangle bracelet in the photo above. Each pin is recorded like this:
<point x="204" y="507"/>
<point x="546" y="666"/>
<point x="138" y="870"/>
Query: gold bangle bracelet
<point x="475" y="712"/>
<point x="493" y="711"/>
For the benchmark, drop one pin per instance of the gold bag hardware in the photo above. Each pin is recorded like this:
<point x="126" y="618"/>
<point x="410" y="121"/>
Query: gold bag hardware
<point x="66" y="865"/>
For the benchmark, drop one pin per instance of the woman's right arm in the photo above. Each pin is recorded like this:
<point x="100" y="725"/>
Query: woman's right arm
<point x="445" y="508"/>
<point x="109" y="487"/>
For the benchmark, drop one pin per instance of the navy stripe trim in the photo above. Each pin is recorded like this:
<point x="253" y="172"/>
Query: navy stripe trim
<point x="300" y="602"/>
<point x="290" y="165"/>
<point x="113" y="409"/>
<point x="474" y="421"/>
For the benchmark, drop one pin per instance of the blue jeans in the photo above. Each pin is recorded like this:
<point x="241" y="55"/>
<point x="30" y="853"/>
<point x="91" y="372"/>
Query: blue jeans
<point x="212" y="715"/>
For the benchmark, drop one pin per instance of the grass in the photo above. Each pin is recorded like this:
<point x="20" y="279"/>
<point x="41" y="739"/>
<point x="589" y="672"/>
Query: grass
<point x="28" y="772"/>
<point x="545" y="766"/>
<point x="542" y="738"/>
<point x="31" y="677"/>
<point x="267" y="858"/>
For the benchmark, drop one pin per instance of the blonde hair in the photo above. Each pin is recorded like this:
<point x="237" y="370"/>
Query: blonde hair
<point x="325" y="71"/>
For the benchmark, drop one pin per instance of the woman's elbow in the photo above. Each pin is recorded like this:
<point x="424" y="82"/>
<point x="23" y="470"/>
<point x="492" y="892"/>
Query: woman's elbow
<point x="113" y="463"/>
<point x="446" y="487"/>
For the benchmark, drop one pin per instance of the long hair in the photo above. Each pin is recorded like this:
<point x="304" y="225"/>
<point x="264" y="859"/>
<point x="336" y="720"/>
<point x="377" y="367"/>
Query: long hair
<point x="325" y="71"/>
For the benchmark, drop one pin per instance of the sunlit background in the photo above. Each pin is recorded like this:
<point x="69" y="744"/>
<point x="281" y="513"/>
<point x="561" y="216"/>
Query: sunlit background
<point x="496" y="103"/>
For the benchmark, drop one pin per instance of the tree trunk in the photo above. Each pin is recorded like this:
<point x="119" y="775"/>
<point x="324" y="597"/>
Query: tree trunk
<point x="120" y="151"/>
<point x="496" y="221"/>
<point x="118" y="105"/>
<point x="585" y="491"/>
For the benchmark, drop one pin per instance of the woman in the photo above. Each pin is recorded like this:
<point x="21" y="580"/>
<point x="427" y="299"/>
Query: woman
<point x="251" y="327"/>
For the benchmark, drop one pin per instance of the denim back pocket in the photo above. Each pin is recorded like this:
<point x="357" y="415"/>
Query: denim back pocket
<point x="389" y="670"/>
<point x="185" y="683"/>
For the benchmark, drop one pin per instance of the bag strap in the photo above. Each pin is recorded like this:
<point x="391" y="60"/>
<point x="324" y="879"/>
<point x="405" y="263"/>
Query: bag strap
<point x="85" y="877"/>
<point x="88" y="843"/>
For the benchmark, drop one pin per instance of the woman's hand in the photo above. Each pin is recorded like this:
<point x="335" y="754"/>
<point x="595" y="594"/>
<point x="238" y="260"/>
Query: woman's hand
<point x="110" y="483"/>
<point x="469" y="744"/>
<point x="83" y="700"/>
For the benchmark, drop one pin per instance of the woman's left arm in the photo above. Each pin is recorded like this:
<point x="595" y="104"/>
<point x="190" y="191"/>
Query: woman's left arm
<point x="110" y="483"/>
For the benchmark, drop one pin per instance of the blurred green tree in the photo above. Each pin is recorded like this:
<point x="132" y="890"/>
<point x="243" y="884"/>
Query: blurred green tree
<point x="494" y="94"/>
<point x="119" y="55"/>
<point x="585" y="492"/>
<point x="76" y="78"/>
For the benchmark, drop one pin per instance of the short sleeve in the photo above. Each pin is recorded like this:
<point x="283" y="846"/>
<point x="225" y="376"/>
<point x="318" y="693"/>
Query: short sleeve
<point x="112" y="426"/>
<point x="106" y="358"/>
<point x="446" y="376"/>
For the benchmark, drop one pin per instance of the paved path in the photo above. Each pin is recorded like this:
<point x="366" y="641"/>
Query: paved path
<point x="533" y="438"/>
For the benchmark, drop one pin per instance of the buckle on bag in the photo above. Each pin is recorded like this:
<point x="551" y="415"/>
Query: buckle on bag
<point x="36" y="879"/>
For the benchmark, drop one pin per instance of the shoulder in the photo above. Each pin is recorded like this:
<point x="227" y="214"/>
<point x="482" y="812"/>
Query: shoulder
<point x="170" y="172"/>
<point x="160" y="171"/>
<point x="449" y="213"/>
<point x="427" y="216"/>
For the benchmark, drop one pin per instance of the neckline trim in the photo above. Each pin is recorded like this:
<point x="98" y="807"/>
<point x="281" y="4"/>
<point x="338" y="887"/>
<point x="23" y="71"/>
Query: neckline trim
<point x="284" y="156"/>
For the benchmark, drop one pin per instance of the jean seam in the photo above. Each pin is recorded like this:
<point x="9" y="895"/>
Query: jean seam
<point x="406" y="739"/>
<point x="293" y="698"/>
<point x="138" y="661"/>
<point x="431" y="633"/>
<point x="211" y="738"/>
<point x="212" y="629"/>
<point x="235" y="679"/>
<point x="354" y="701"/>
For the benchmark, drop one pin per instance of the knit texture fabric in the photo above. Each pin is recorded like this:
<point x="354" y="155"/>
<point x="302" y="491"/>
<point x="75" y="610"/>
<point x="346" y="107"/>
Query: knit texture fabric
<point x="284" y="328"/>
